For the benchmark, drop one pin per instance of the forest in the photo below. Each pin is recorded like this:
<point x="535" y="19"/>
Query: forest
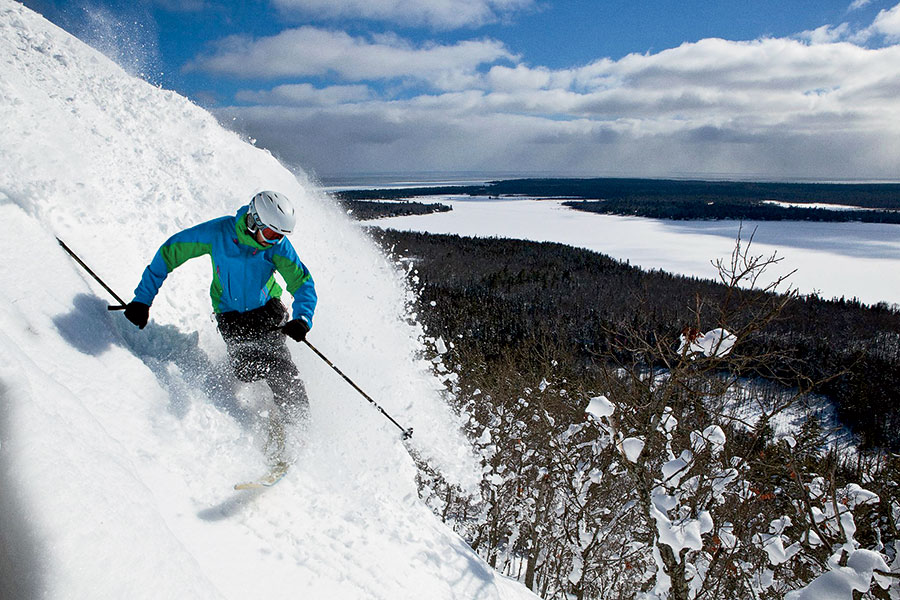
<point x="628" y="422"/>
<point x="499" y="293"/>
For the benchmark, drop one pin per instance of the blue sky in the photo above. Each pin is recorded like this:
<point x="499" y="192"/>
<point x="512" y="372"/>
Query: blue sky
<point x="762" y="89"/>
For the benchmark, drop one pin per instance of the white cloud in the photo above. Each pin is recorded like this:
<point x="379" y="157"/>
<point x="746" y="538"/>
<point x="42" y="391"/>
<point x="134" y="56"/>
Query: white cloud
<point x="886" y="26"/>
<point x="857" y="4"/>
<point x="442" y="14"/>
<point x="887" y="23"/>
<point x="826" y="34"/>
<point x="310" y="51"/>
<point x="520" y="77"/>
<point x="305" y="94"/>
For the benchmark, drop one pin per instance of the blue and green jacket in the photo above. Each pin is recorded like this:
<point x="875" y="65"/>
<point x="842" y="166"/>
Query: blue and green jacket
<point x="243" y="270"/>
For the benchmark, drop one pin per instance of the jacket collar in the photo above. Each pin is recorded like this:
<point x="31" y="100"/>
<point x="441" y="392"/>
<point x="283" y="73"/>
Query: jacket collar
<point x="243" y="234"/>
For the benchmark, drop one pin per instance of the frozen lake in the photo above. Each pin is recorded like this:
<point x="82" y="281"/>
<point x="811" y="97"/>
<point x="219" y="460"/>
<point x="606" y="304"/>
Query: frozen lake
<point x="832" y="259"/>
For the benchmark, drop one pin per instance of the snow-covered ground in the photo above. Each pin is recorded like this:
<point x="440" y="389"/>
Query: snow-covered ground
<point x="833" y="259"/>
<point x="119" y="447"/>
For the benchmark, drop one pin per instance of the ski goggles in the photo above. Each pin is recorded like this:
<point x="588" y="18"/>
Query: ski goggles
<point x="270" y="235"/>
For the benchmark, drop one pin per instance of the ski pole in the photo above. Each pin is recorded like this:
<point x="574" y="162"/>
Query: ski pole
<point x="407" y="433"/>
<point x="121" y="302"/>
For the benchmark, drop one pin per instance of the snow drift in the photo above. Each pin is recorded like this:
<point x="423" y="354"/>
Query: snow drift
<point x="119" y="447"/>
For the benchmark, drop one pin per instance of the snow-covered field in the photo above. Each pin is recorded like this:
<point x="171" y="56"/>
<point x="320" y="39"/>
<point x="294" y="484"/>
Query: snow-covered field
<point x="859" y="260"/>
<point x="119" y="447"/>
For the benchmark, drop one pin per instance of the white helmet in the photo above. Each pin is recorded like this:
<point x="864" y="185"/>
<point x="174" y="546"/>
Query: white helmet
<point x="273" y="211"/>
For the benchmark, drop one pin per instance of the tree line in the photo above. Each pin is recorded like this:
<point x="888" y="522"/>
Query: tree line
<point x="364" y="210"/>
<point x="709" y="207"/>
<point x="877" y="196"/>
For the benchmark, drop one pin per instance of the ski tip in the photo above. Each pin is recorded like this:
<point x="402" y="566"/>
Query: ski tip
<point x="264" y="482"/>
<point x="248" y="485"/>
<point x="257" y="485"/>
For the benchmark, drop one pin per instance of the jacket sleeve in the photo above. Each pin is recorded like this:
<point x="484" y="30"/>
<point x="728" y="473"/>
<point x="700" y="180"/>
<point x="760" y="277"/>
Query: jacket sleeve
<point x="298" y="279"/>
<point x="178" y="249"/>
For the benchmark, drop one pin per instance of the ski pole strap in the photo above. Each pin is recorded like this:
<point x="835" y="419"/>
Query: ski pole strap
<point x="122" y="303"/>
<point x="407" y="433"/>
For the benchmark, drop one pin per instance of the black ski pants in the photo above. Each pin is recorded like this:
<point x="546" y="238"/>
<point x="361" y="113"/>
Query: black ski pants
<point x="257" y="349"/>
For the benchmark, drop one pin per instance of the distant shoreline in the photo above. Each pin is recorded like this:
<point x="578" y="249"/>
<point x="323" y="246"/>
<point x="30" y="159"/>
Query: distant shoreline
<point x="681" y="199"/>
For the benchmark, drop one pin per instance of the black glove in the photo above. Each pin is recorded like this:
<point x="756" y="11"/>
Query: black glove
<point x="138" y="313"/>
<point x="296" y="329"/>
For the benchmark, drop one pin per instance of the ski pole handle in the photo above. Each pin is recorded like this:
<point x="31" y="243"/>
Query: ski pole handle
<point x="121" y="307"/>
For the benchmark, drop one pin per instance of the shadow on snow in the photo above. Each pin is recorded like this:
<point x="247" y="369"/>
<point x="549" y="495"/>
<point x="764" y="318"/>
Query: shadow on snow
<point x="174" y="357"/>
<point x="20" y="558"/>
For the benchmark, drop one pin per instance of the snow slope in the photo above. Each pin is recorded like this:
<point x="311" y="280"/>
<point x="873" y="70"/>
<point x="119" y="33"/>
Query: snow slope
<point x="119" y="447"/>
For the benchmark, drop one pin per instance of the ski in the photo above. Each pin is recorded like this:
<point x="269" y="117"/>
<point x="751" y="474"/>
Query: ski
<point x="268" y="480"/>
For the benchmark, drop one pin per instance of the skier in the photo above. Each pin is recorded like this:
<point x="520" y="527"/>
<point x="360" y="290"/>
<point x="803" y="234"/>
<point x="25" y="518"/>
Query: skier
<point x="246" y="250"/>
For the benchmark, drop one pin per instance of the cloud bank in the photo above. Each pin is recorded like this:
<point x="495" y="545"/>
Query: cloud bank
<point x="821" y="104"/>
